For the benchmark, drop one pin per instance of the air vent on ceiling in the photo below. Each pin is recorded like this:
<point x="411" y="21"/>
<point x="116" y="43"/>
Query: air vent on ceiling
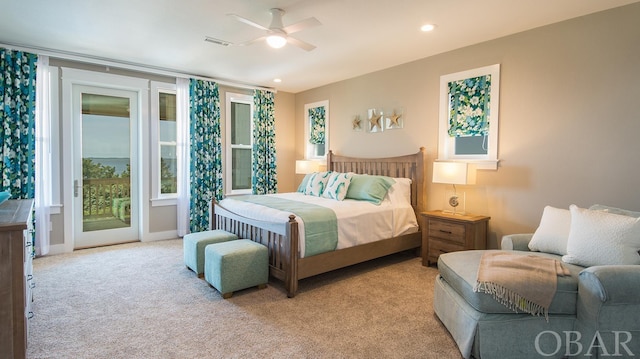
<point x="217" y="41"/>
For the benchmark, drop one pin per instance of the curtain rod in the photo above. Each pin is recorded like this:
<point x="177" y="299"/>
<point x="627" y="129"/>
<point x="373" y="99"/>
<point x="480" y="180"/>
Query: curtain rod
<point x="95" y="60"/>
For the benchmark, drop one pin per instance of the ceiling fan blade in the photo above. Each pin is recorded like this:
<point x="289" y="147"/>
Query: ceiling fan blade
<point x="301" y="44"/>
<point x="301" y="25"/>
<point x="248" y="22"/>
<point x="251" y="42"/>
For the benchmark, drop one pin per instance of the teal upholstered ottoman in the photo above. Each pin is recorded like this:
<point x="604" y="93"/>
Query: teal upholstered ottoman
<point x="236" y="265"/>
<point x="195" y="243"/>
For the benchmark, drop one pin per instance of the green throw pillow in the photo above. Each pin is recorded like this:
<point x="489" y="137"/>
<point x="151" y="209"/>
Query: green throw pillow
<point x="369" y="188"/>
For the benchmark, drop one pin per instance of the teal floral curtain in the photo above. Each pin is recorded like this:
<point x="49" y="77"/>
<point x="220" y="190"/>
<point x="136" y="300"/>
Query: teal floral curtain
<point x="18" y="118"/>
<point x="205" y="151"/>
<point x="317" y="121"/>
<point x="469" y="101"/>
<point x="263" y="179"/>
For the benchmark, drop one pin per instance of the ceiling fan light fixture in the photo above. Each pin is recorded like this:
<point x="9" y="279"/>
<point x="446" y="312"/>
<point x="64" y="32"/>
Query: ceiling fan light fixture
<point x="276" y="41"/>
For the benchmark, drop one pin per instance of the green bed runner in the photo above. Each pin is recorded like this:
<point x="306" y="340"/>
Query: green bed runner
<point x="320" y="223"/>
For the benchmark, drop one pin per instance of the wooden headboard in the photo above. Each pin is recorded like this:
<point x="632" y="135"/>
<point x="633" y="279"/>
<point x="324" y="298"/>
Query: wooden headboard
<point x="407" y="166"/>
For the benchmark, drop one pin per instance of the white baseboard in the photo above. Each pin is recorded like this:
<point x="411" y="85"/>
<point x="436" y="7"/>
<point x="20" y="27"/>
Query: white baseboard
<point x="58" y="249"/>
<point x="159" y="236"/>
<point x="149" y="237"/>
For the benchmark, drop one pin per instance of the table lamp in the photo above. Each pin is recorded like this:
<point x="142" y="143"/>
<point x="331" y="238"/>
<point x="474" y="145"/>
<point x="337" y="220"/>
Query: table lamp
<point x="304" y="167"/>
<point x="454" y="173"/>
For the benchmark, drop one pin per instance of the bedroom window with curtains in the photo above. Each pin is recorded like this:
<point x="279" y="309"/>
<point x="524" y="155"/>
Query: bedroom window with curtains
<point x="164" y="142"/>
<point x="239" y="139"/>
<point x="316" y="129"/>
<point x="469" y="104"/>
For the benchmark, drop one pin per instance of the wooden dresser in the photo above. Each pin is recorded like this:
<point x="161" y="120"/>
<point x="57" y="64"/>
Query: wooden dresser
<point x="16" y="276"/>
<point x="445" y="233"/>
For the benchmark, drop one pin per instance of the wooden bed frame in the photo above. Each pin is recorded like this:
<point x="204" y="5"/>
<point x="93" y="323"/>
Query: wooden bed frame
<point x="282" y="239"/>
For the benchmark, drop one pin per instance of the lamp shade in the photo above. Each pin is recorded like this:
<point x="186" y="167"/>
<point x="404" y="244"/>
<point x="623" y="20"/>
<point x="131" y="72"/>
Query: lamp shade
<point x="307" y="166"/>
<point x="453" y="173"/>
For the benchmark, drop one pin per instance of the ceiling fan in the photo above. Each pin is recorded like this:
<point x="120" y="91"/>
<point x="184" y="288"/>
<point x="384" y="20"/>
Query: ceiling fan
<point x="277" y="35"/>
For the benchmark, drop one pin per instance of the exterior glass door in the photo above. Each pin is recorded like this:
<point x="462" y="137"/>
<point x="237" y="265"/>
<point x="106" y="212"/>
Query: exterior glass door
<point x="105" y="166"/>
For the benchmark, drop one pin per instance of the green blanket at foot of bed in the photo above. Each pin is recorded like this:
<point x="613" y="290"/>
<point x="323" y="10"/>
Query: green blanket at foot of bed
<point x="320" y="223"/>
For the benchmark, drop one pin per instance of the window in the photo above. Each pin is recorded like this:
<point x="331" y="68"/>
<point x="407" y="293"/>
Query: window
<point x="164" y="164"/>
<point x="239" y="139"/>
<point x="469" y="102"/>
<point x="316" y="128"/>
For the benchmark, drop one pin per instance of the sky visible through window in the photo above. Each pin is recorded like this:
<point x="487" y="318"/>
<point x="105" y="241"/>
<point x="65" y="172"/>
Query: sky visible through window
<point x="105" y="140"/>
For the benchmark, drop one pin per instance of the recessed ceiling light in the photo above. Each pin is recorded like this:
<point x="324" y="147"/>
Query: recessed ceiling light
<point x="277" y="80"/>
<point x="427" y="27"/>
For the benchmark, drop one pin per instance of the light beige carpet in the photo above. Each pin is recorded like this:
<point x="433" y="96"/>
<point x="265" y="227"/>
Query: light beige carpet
<point x="138" y="300"/>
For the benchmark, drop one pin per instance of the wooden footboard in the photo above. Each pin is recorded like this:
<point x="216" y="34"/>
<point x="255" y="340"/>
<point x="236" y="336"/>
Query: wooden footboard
<point x="280" y="238"/>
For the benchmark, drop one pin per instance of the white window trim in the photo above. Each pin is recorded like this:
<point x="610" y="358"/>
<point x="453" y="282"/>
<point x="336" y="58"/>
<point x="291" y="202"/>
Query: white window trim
<point x="54" y="83"/>
<point x="309" y="153"/>
<point x="446" y="144"/>
<point x="158" y="199"/>
<point x="238" y="98"/>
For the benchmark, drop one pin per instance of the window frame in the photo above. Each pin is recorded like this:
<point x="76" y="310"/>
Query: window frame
<point x="446" y="144"/>
<point x="157" y="198"/>
<point x="232" y="97"/>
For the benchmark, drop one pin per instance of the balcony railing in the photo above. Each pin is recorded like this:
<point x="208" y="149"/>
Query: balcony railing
<point x="99" y="195"/>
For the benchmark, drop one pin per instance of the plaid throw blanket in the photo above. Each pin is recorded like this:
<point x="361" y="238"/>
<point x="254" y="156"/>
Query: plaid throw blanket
<point x="520" y="282"/>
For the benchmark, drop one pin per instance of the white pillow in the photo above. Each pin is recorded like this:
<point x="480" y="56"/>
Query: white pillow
<point x="553" y="231"/>
<point x="337" y="185"/>
<point x="317" y="183"/>
<point x="601" y="238"/>
<point x="625" y="212"/>
<point x="400" y="192"/>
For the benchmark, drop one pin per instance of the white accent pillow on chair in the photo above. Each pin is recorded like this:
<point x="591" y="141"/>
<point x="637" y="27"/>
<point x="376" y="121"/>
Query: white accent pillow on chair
<point x="602" y="238"/>
<point x="552" y="233"/>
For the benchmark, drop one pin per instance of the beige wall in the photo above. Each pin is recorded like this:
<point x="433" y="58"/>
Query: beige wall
<point x="569" y="117"/>
<point x="285" y="140"/>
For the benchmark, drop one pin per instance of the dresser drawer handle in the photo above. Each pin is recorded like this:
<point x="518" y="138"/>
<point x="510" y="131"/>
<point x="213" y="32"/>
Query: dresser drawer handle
<point x="447" y="232"/>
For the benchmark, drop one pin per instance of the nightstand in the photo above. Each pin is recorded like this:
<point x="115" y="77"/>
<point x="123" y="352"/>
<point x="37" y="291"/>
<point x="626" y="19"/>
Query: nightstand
<point x="445" y="232"/>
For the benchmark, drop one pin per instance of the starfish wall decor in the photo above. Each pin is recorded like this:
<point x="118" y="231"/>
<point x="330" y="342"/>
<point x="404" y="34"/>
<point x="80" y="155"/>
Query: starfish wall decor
<point x="395" y="120"/>
<point x="375" y="123"/>
<point x="356" y="123"/>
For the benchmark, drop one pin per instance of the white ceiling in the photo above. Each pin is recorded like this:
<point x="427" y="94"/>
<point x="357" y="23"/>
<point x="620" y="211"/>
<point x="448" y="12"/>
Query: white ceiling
<point x="356" y="36"/>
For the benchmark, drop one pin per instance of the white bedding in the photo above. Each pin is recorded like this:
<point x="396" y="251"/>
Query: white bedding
<point x="359" y="222"/>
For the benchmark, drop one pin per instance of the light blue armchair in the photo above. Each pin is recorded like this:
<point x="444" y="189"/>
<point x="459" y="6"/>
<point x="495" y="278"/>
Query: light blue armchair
<point x="595" y="312"/>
